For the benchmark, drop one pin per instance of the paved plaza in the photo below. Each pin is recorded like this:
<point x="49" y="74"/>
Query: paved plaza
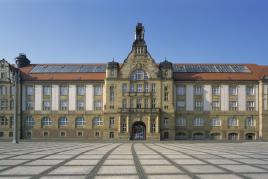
<point x="133" y="160"/>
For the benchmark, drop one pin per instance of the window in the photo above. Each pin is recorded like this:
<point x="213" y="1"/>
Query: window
<point x="46" y="90"/>
<point x="63" y="90"/>
<point x="80" y="134"/>
<point x="29" y="121"/>
<point x="97" y="105"/>
<point x="3" y="90"/>
<point x="180" y="122"/>
<point x="12" y="90"/>
<point x="80" y="90"/>
<point x="111" y="93"/>
<point x="250" y="122"/>
<point x="215" y="105"/>
<point x="29" y="90"/>
<point x="153" y="87"/>
<point x="3" y="104"/>
<point x="153" y="126"/>
<point x="63" y="121"/>
<point x="124" y="103"/>
<point x="80" y="121"/>
<point x="146" y="103"/>
<point x="233" y="136"/>
<point x="3" y="75"/>
<point x="216" y="90"/>
<point x="124" y="88"/>
<point x="233" y="106"/>
<point x="111" y="122"/>
<point x="166" y="122"/>
<point x="46" y="105"/>
<point x="233" y="90"/>
<point x="1" y="134"/>
<point x="11" y="119"/>
<point x="46" y="121"/>
<point x="232" y="122"/>
<point x="215" y="122"/>
<point x="198" y="105"/>
<point x="198" y="122"/>
<point x="80" y="105"/>
<point x="132" y="88"/>
<point x="123" y="126"/>
<point x="165" y="93"/>
<point x="166" y="107"/>
<point x="111" y="135"/>
<point x="29" y="105"/>
<point x="139" y="88"/>
<point x="250" y="105"/>
<point x="3" y="121"/>
<point x="63" y="105"/>
<point x="153" y="103"/>
<point x="11" y="104"/>
<point x="97" y="90"/>
<point x="97" y="134"/>
<point x="62" y="134"/>
<point x="198" y="90"/>
<point x="180" y="90"/>
<point x="146" y="87"/>
<point x="98" y="121"/>
<point x="139" y="103"/>
<point x="180" y="104"/>
<point x="250" y="90"/>
<point x="45" y="134"/>
<point x="139" y="75"/>
<point x="198" y="136"/>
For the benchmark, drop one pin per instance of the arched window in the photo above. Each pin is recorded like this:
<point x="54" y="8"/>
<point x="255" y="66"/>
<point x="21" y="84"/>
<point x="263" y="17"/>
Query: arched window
<point x="233" y="122"/>
<point x="180" y="136"/>
<point x="180" y="122"/>
<point x="97" y="121"/>
<point x="215" y="136"/>
<point x="198" y="136"/>
<point x="139" y="75"/>
<point x="63" y="121"/>
<point x="46" y="121"/>
<point x="80" y="121"/>
<point x="250" y="122"/>
<point x="215" y="122"/>
<point x="232" y="136"/>
<point x="29" y="121"/>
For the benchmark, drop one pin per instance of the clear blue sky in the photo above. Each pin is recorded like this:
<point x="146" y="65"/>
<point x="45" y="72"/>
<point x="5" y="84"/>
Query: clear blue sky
<point x="95" y="31"/>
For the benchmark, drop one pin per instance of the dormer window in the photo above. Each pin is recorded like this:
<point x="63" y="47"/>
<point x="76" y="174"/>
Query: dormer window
<point x="139" y="75"/>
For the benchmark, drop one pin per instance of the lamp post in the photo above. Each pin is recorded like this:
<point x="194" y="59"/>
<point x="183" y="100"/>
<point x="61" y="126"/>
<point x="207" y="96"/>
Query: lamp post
<point x="15" y="81"/>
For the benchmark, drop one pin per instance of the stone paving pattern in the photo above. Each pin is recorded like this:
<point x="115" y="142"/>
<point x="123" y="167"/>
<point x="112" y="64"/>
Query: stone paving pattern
<point x="172" y="160"/>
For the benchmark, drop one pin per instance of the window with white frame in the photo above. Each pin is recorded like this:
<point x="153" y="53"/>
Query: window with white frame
<point x="81" y="90"/>
<point x="98" y="121"/>
<point x="97" y="90"/>
<point x="215" y="121"/>
<point x="250" y="122"/>
<point x="124" y="88"/>
<point x="146" y="87"/>
<point x="29" y="90"/>
<point x="153" y="103"/>
<point x="12" y="90"/>
<point x="146" y="103"/>
<point x="139" y="103"/>
<point x="180" y="104"/>
<point x="139" y="87"/>
<point x="233" y="105"/>
<point x="180" y="90"/>
<point x="63" y="121"/>
<point x="80" y="105"/>
<point x="153" y="87"/>
<point x="112" y="94"/>
<point x="124" y="103"/>
<point x="46" y="90"/>
<point x="29" y="105"/>
<point x="198" y="105"/>
<point x="215" y="105"/>
<point x="63" y="90"/>
<point x="215" y="90"/>
<point x="3" y="90"/>
<point x="139" y="75"/>
<point x="3" y="104"/>
<point x="46" y="105"/>
<point x="46" y="121"/>
<point x="29" y="121"/>
<point x="198" y="90"/>
<point x="233" y="90"/>
<point x="180" y="122"/>
<point x="251" y="105"/>
<point x="3" y="120"/>
<point x="63" y="105"/>
<point x="79" y="121"/>
<point x="97" y="105"/>
<point x="250" y="90"/>
<point x="198" y="122"/>
<point x="132" y="88"/>
<point x="123" y="125"/>
<point x="232" y="122"/>
<point x="111" y="122"/>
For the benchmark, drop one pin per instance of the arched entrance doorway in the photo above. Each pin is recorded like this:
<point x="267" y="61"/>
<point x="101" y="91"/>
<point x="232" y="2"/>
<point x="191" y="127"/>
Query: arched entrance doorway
<point x="138" y="131"/>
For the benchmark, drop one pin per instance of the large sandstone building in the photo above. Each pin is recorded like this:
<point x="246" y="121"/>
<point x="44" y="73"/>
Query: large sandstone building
<point x="134" y="100"/>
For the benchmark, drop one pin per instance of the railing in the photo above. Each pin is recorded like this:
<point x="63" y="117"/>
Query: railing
<point x="144" y="110"/>
<point x="135" y="93"/>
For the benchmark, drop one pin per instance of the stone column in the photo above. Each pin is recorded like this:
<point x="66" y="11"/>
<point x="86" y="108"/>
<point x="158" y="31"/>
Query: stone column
<point x="149" y="127"/>
<point x="156" y="124"/>
<point x="127" y="125"/>
<point x="119" y="124"/>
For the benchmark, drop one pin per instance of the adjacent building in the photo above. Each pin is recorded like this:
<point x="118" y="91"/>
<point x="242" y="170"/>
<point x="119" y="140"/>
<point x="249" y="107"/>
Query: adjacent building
<point x="137" y="99"/>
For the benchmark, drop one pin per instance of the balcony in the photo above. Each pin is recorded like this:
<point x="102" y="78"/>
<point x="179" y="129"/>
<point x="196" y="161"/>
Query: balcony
<point x="141" y="110"/>
<point x="137" y="93"/>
